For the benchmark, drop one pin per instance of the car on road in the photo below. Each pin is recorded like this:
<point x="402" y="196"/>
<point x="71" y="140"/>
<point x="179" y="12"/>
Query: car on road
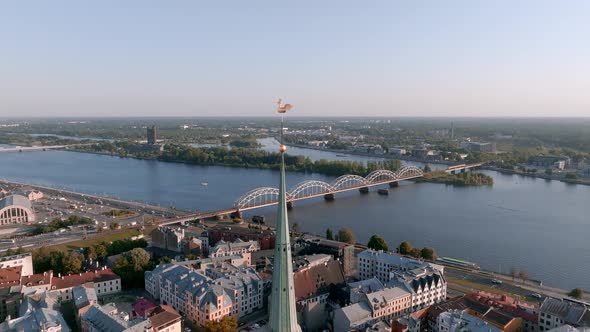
<point x="537" y="296"/>
<point x="496" y="281"/>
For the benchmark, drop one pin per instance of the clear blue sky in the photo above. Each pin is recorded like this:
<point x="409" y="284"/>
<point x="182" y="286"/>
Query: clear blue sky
<point x="381" y="58"/>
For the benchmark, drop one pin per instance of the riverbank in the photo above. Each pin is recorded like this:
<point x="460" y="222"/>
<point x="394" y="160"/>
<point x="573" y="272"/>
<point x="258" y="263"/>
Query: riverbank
<point x="461" y="179"/>
<point x="582" y="181"/>
<point x="372" y="155"/>
<point x="116" y="203"/>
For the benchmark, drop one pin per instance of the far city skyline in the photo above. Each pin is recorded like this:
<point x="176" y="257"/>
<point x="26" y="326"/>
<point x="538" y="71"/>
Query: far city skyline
<point x="334" y="58"/>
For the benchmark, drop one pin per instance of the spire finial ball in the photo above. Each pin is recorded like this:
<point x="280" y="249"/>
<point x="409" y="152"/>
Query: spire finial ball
<point x="283" y="148"/>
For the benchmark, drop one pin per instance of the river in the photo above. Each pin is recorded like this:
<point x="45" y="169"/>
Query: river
<point x="540" y="226"/>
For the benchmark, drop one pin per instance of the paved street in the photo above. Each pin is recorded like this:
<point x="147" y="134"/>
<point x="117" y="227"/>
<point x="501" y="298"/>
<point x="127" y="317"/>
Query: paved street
<point x="484" y="279"/>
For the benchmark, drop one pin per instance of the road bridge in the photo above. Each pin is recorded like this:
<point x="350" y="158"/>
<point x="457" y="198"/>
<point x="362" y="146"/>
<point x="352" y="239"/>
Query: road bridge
<point x="39" y="148"/>
<point x="267" y="196"/>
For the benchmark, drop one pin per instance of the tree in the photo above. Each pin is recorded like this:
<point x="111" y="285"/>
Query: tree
<point x="576" y="293"/>
<point x="549" y="171"/>
<point x="166" y="259"/>
<point x="346" y="235"/>
<point x="329" y="234"/>
<point x="415" y="252"/>
<point x="90" y="253"/>
<point x="405" y="248"/>
<point x="523" y="276"/>
<point x="428" y="253"/>
<point x="101" y="250"/>
<point x="376" y="242"/>
<point x="571" y="176"/>
<point x="427" y="169"/>
<point x="226" y="324"/>
<point x="114" y="225"/>
<point x="513" y="273"/>
<point x="295" y="227"/>
<point x="72" y="263"/>
<point x="138" y="259"/>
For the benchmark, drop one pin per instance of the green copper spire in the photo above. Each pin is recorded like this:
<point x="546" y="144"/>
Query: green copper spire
<point x="283" y="316"/>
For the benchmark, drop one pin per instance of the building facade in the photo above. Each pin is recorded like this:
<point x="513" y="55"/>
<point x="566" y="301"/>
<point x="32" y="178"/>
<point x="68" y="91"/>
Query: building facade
<point x="23" y="260"/>
<point x="16" y="209"/>
<point x="238" y="292"/>
<point x="104" y="281"/>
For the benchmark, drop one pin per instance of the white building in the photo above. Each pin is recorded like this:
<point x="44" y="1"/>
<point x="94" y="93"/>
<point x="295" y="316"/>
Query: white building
<point x="379" y="264"/>
<point x="237" y="247"/>
<point x="555" y="313"/>
<point x="104" y="281"/>
<point x="234" y="291"/>
<point x="39" y="312"/>
<point x="427" y="286"/>
<point x="384" y="304"/>
<point x="24" y="260"/>
<point x="459" y="321"/>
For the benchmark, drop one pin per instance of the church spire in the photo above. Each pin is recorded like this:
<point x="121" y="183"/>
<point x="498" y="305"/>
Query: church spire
<point x="283" y="316"/>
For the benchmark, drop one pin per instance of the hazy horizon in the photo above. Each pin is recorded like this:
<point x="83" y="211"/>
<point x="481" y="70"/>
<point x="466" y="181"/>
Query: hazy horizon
<point x="450" y="59"/>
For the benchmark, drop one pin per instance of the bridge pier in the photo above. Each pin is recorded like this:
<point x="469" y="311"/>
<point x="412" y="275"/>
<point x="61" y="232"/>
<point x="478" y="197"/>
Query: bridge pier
<point x="364" y="190"/>
<point x="393" y="184"/>
<point x="290" y="205"/>
<point x="236" y="215"/>
<point x="329" y="197"/>
<point x="453" y="172"/>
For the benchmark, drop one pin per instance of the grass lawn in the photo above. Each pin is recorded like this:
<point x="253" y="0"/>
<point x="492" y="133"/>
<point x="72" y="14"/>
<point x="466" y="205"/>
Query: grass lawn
<point x="477" y="286"/>
<point x="96" y="239"/>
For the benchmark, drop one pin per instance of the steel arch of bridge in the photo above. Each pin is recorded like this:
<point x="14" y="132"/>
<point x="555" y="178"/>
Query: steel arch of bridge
<point x="409" y="171"/>
<point x="381" y="175"/>
<point x="269" y="195"/>
<point x="258" y="196"/>
<point x="309" y="188"/>
<point x="347" y="181"/>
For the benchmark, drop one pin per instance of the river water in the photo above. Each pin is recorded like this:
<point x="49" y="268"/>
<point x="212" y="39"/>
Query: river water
<point x="542" y="227"/>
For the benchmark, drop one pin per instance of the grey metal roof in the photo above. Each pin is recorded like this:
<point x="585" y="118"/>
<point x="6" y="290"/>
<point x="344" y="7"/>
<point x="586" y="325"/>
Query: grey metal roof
<point x="15" y="200"/>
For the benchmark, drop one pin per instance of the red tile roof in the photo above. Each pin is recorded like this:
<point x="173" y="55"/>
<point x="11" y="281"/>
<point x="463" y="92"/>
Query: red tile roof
<point x="82" y="278"/>
<point x="163" y="316"/>
<point x="313" y="280"/>
<point x="37" y="279"/>
<point x="10" y="276"/>
<point x="143" y="306"/>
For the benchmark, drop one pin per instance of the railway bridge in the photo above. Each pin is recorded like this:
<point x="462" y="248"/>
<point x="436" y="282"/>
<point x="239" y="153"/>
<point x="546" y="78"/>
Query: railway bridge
<point x="267" y="196"/>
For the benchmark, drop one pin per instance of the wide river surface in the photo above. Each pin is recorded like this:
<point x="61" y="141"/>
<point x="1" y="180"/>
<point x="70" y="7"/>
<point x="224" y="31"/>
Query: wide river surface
<point x="542" y="227"/>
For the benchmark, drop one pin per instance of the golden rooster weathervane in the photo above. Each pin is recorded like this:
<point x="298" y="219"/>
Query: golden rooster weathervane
<point x="282" y="109"/>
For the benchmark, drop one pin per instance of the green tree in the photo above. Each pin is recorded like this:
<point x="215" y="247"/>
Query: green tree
<point x="427" y="169"/>
<point x="226" y="324"/>
<point x="138" y="259"/>
<point x="72" y="263"/>
<point x="346" y="235"/>
<point x="295" y="227"/>
<point x="576" y="293"/>
<point x="428" y="254"/>
<point x="329" y="234"/>
<point x="114" y="225"/>
<point x="549" y="171"/>
<point x="415" y="252"/>
<point x="90" y="253"/>
<point x="405" y="248"/>
<point x="571" y="176"/>
<point x="100" y="250"/>
<point x="376" y="242"/>
<point x="166" y="259"/>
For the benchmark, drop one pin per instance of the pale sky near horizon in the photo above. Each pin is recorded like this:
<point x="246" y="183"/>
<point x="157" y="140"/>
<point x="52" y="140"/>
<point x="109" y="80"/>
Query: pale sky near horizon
<point x="352" y="58"/>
